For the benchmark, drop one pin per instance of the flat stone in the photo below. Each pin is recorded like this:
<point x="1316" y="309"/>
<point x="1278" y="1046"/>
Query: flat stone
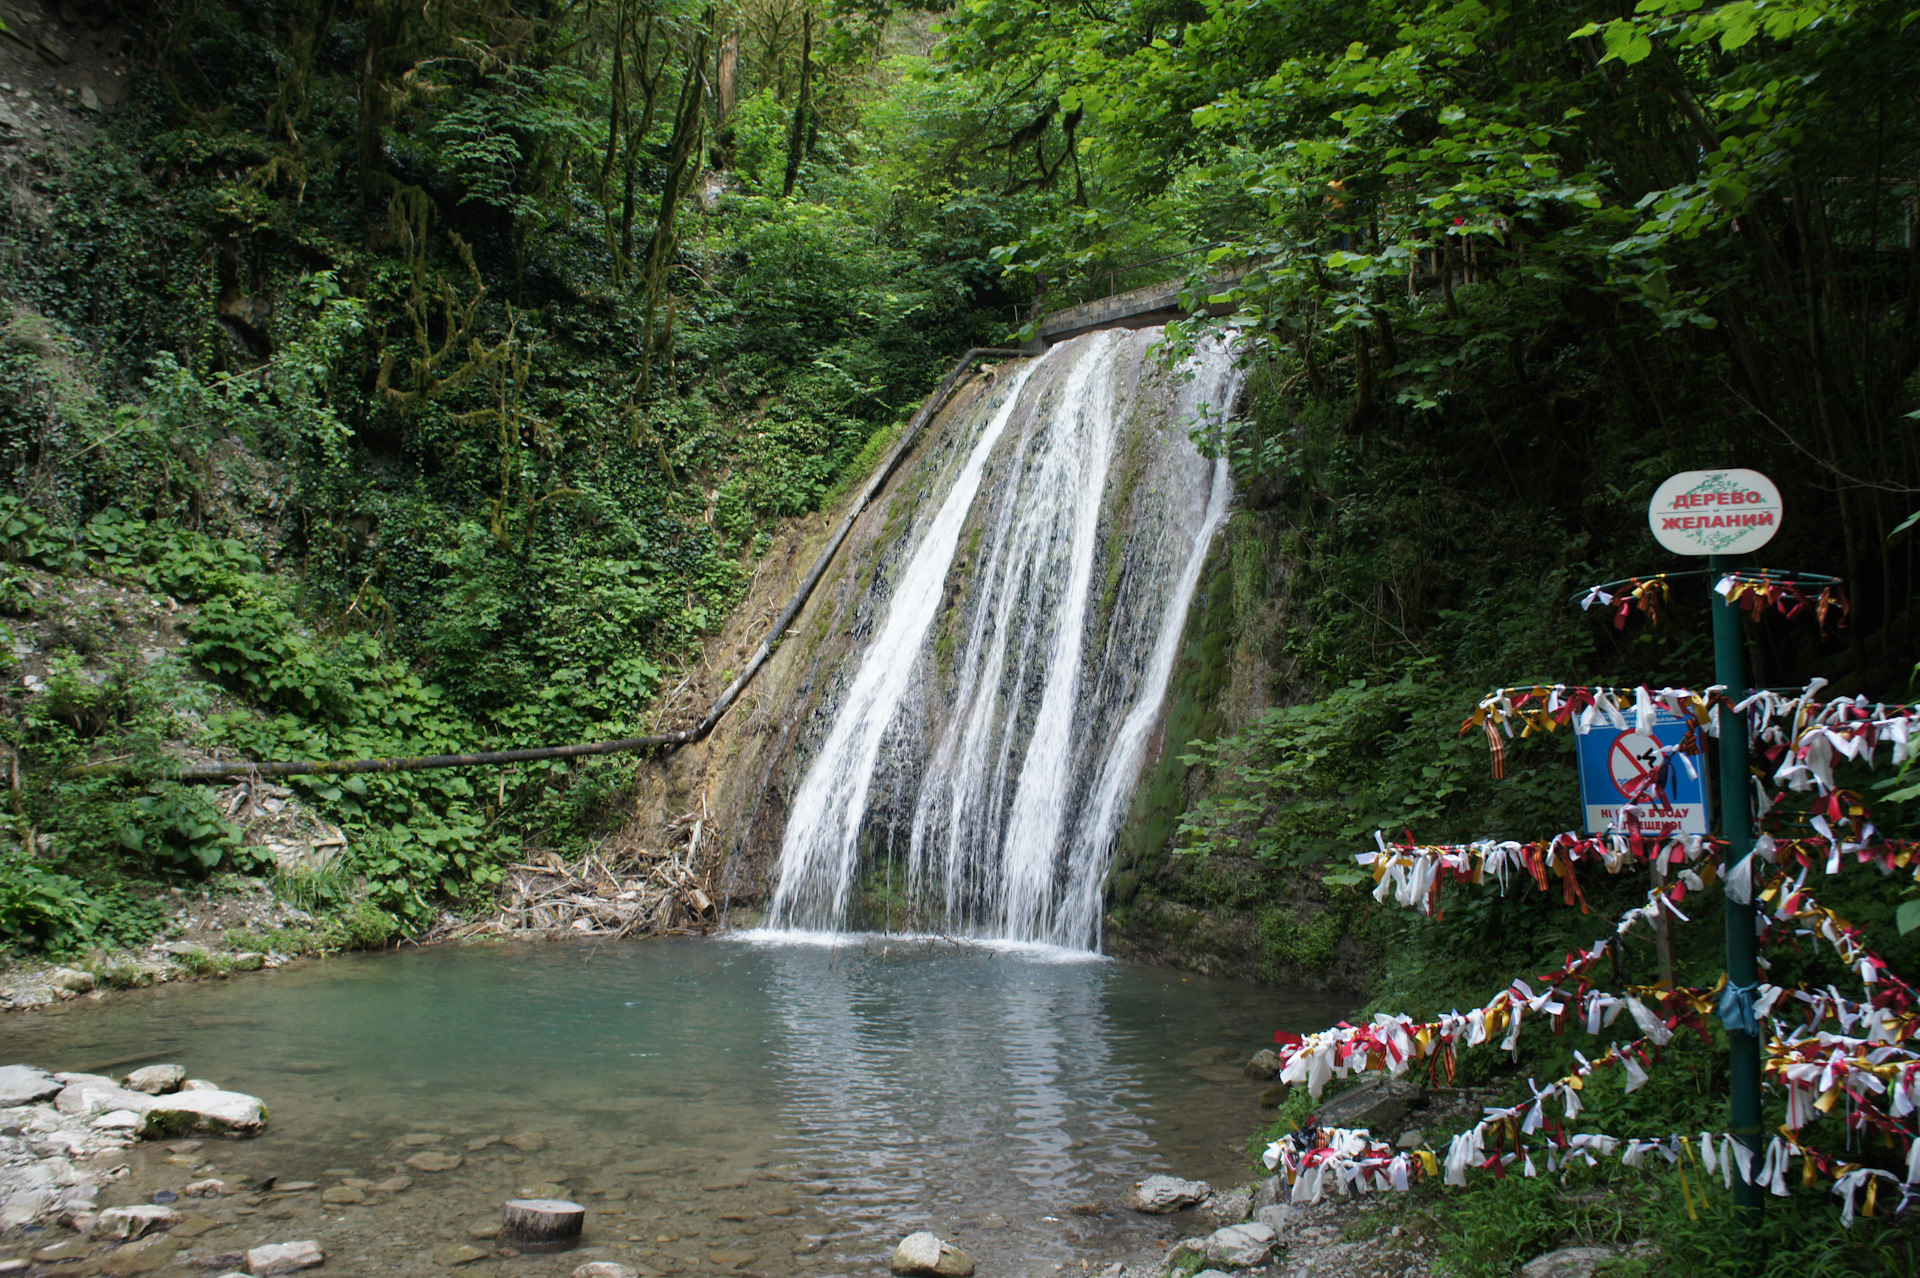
<point x="184" y="1146"/>
<point x="72" y="1249"/>
<point x="283" y="1258"/>
<point x="479" y="1143"/>
<point x="925" y="1255"/>
<point x="294" y="1186"/>
<point x="1275" y="1216"/>
<point x="156" y="1080"/>
<point x="219" y="1113"/>
<point x="1159" y="1195"/>
<point x="1241" y="1246"/>
<point x="8" y="1268"/>
<point x="26" y="1085"/>
<point x="1570" y="1262"/>
<point x="545" y="1190"/>
<point x="118" y="1120"/>
<point x="86" y="1095"/>
<point x="392" y="1184"/>
<point x="343" y="1196"/>
<point x="605" y="1269"/>
<point x="434" y="1160"/>
<point x="1411" y="1138"/>
<point x="527" y="1142"/>
<point x="422" y="1138"/>
<point x="460" y="1254"/>
<point x="1378" y="1106"/>
<point x="135" y="1221"/>
<point x="484" y="1229"/>
<point x="732" y="1256"/>
<point x="721" y="1186"/>
<point x="143" y="1256"/>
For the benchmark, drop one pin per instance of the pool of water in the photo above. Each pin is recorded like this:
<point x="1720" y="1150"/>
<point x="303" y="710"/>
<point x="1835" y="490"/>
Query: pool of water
<point x="759" y="1104"/>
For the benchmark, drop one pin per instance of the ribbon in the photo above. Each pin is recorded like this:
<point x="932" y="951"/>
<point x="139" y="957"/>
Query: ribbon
<point x="1736" y="1010"/>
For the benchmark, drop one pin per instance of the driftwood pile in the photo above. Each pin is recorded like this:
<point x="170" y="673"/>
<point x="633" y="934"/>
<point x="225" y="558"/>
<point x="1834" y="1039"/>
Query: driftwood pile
<point x="615" y="892"/>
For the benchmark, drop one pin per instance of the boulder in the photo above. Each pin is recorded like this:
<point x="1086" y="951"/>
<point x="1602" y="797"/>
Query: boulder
<point x="283" y="1258"/>
<point x="1158" y="1195"/>
<point x="134" y="1222"/>
<point x="1570" y="1262"/>
<point x="925" y="1255"/>
<point x="86" y="1095"/>
<point x="1275" y="1216"/>
<point x="156" y="1080"/>
<point x="1241" y="1246"/>
<point x="71" y="979"/>
<point x="26" y="1085"/>
<point x="1264" y="1065"/>
<point x="1230" y="1207"/>
<point x="214" y="1113"/>
<point x="1379" y="1106"/>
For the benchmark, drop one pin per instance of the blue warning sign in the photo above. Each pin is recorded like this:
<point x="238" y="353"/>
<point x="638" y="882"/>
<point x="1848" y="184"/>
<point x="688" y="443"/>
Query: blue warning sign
<point x="1620" y="767"/>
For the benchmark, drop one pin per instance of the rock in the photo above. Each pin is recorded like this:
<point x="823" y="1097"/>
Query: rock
<point x="1570" y="1262"/>
<point x="144" y="1256"/>
<point x="1379" y="1106"/>
<point x="731" y="1257"/>
<point x="119" y="1120"/>
<point x="479" y="1143"/>
<point x="217" y="1113"/>
<point x="1275" y="1216"/>
<point x="485" y="1229"/>
<point x="199" y="1085"/>
<point x="246" y="961"/>
<point x="72" y="1249"/>
<point x="1241" y="1246"/>
<point x="1158" y="1195"/>
<point x="8" y="1268"/>
<point x="283" y="1258"/>
<point x="89" y="100"/>
<point x="422" y="1138"/>
<point x="1264" y="1065"/>
<point x="605" y="1269"/>
<point x="343" y="1196"/>
<point x="1268" y="1192"/>
<point x="71" y="979"/>
<point x="26" y="1085"/>
<point x="392" y="1184"/>
<point x="1231" y="1207"/>
<point x="925" y="1255"/>
<point x="156" y="1080"/>
<point x="434" y="1160"/>
<point x="90" y="1094"/>
<point x="134" y="1222"/>
<point x="1411" y="1138"/>
<point x="209" y="1188"/>
<point x="527" y="1142"/>
<point x="294" y="1186"/>
<point x="459" y="1254"/>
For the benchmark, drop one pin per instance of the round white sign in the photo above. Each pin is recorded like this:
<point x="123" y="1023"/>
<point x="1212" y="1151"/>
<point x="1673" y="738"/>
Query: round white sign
<point x="1715" y="512"/>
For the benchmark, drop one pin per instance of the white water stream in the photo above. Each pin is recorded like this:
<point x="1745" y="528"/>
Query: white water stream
<point x="1016" y="749"/>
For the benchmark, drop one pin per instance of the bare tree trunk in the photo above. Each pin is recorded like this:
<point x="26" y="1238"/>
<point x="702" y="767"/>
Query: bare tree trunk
<point x="797" y="135"/>
<point x="729" y="76"/>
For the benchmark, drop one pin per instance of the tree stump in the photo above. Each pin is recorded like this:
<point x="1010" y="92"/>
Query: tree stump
<point x="542" y="1224"/>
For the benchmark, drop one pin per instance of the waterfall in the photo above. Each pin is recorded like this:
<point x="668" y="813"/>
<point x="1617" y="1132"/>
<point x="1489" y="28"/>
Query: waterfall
<point x="997" y="719"/>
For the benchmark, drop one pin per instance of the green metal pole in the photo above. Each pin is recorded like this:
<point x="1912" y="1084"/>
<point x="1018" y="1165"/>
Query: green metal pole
<point x="1736" y="825"/>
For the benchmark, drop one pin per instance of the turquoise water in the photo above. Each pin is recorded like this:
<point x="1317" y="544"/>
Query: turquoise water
<point x="801" y="1104"/>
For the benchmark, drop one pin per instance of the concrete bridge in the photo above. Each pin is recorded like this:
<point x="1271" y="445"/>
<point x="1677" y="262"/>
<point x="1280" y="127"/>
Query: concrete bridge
<point x="1135" y="308"/>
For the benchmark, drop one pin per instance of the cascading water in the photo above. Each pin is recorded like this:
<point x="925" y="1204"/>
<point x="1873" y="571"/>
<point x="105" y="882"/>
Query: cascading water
<point x="992" y="732"/>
